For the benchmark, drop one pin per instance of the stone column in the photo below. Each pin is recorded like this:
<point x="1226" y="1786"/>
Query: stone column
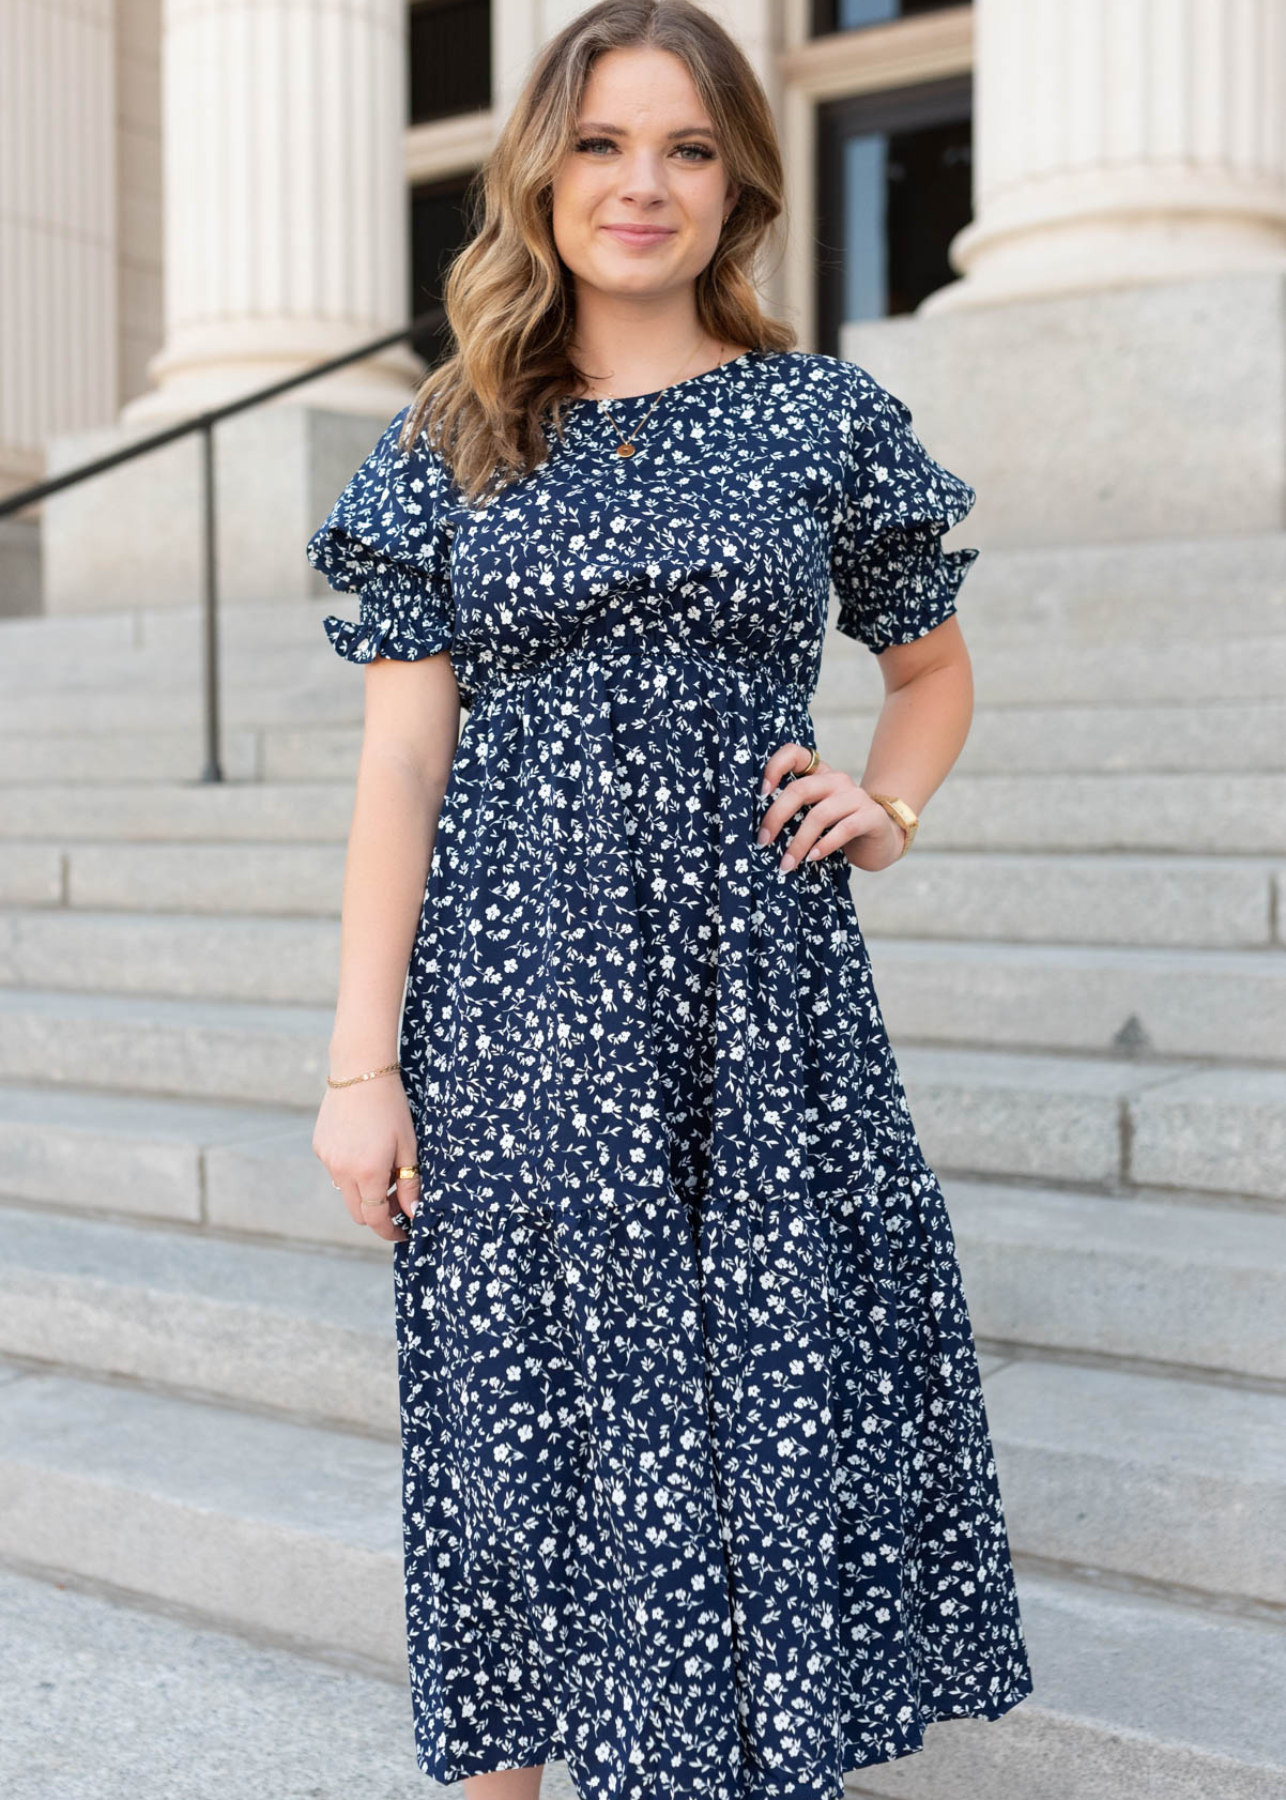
<point x="285" y="201"/>
<point x="1123" y="141"/>
<point x="59" y="362"/>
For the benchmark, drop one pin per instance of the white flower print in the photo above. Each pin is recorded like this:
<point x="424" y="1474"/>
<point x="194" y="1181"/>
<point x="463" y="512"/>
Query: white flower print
<point x="698" y="1485"/>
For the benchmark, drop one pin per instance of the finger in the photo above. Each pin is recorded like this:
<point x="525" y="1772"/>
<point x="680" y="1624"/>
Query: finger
<point x="821" y="814"/>
<point x="377" y="1213"/>
<point x="787" y="758"/>
<point x="408" y="1186"/>
<point x="351" y="1196"/>
<point x="852" y="825"/>
<point x="802" y="790"/>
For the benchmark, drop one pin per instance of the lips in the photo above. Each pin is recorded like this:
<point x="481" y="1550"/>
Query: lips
<point x="629" y="234"/>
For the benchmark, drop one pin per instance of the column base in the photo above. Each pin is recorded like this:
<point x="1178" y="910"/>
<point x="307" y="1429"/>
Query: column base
<point x="132" y="536"/>
<point x="1149" y="411"/>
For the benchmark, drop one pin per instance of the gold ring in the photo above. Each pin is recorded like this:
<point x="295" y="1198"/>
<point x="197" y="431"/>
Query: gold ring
<point x="407" y="1174"/>
<point x="813" y="760"/>
<point x="366" y="1203"/>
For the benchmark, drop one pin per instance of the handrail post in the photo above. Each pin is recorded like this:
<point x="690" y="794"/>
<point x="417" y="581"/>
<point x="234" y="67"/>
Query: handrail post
<point x="205" y="423"/>
<point x="213" y="770"/>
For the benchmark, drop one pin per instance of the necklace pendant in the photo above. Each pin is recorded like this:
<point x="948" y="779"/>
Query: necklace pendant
<point x="625" y="449"/>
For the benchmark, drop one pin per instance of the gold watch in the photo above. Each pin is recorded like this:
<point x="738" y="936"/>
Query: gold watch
<point x="899" y="810"/>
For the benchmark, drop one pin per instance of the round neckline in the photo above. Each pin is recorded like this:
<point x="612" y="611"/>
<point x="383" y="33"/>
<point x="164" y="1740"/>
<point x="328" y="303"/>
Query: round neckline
<point x="688" y="381"/>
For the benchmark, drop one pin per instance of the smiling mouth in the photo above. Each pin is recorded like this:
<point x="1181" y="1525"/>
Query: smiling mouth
<point x="641" y="234"/>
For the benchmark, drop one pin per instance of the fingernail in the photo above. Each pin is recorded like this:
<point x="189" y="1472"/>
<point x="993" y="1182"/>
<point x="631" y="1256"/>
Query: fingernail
<point x="761" y="837"/>
<point x="813" y="854"/>
<point x="787" y="861"/>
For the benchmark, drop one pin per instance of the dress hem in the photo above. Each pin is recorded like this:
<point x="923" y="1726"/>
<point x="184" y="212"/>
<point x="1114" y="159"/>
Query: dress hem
<point x="552" y="1750"/>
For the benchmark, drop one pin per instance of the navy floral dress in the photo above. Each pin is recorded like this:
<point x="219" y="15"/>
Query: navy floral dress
<point x="698" y="1487"/>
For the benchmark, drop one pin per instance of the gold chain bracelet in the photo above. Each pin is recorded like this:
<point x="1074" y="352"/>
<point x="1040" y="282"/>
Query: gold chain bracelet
<point x="369" y="1076"/>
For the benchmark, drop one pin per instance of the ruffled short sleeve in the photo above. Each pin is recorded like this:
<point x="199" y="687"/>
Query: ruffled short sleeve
<point x="893" y="578"/>
<point x="386" y="539"/>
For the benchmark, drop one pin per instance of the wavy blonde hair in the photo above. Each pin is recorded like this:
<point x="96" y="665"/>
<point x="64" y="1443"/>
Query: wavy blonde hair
<point x="508" y="296"/>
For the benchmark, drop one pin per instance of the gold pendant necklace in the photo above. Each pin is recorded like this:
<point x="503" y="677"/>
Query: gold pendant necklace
<point x="626" y="445"/>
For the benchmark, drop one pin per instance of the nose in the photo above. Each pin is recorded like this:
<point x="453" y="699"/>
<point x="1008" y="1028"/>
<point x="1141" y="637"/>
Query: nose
<point x="642" y="177"/>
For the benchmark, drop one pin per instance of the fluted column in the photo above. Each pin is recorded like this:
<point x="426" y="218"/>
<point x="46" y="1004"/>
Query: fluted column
<point x="285" y="200"/>
<point x="59" y="362"/>
<point x="1119" y="141"/>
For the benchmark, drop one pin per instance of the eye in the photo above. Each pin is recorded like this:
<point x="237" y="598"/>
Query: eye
<point x="704" y="153"/>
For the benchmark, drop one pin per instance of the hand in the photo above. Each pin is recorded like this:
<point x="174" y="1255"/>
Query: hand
<point x="841" y="815"/>
<point x="363" y="1135"/>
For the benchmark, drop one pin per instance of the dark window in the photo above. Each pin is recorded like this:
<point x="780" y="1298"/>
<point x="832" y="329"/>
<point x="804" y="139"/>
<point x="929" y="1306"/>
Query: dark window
<point x="852" y="15"/>
<point x="439" y="227"/>
<point x="894" y="186"/>
<point x="448" y="58"/>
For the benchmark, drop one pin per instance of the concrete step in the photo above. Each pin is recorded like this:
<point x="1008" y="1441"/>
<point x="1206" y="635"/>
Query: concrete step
<point x="1192" y="739"/>
<point x="163" y="1498"/>
<point x="188" y="1713"/>
<point x="251" y="1521"/>
<point x="1090" y="998"/>
<point x="1201" y="1287"/>
<point x="1203" y="902"/>
<point x="1012" y="666"/>
<point x="1167" y="671"/>
<point x="1095" y="998"/>
<point x="227" y="878"/>
<point x="236" y="1169"/>
<point x="1189" y="815"/>
<point x="1135" y="1697"/>
<point x="310" y="1331"/>
<point x="1129" y="594"/>
<point x="1052" y="897"/>
<point x="1170" y="1479"/>
<point x="184" y="1712"/>
<point x="1093" y="1122"/>
<point x="290" y="960"/>
<point x="1202" y="587"/>
<point x="143" y="1044"/>
<point x="246" y="665"/>
<point x="103" y="757"/>
<point x="38" y="708"/>
<point x="1096" y="1122"/>
<point x="311" y="734"/>
<point x="104" y="760"/>
<point x="302" y="1331"/>
<point x="143" y="646"/>
<point x="247" y="812"/>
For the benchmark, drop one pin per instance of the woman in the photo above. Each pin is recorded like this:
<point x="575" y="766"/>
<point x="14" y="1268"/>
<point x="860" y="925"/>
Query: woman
<point x="698" y="1488"/>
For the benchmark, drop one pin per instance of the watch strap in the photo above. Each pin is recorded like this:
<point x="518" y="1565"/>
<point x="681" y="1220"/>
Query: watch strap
<point x="902" y="813"/>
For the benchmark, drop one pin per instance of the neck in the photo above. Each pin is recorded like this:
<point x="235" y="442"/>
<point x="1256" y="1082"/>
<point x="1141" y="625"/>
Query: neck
<point x="644" y="357"/>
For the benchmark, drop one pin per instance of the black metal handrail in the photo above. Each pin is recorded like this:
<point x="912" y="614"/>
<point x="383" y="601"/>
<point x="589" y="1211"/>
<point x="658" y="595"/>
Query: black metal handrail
<point x="204" y="422"/>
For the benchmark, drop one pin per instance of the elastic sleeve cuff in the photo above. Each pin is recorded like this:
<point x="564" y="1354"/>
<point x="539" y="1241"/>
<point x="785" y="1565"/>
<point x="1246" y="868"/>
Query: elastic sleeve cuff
<point x="904" y="585"/>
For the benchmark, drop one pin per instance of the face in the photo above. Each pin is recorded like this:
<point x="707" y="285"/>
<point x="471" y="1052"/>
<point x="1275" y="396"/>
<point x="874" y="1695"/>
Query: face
<point x="639" y="202"/>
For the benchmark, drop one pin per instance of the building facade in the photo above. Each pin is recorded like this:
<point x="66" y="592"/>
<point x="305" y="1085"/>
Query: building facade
<point x="1057" y="228"/>
<point x="207" y="195"/>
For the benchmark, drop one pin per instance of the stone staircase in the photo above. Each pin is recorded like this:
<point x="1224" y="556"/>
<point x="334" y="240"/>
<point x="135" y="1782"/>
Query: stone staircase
<point x="1082" y="967"/>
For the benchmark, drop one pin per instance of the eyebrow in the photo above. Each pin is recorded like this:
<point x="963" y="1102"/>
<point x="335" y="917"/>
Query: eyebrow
<point x="619" y="130"/>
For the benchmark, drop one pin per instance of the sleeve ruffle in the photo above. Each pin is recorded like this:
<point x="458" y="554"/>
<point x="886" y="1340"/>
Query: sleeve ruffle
<point x="893" y="578"/>
<point x="386" y="540"/>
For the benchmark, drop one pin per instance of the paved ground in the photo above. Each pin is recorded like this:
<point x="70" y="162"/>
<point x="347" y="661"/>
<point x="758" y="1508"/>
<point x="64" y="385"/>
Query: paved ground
<point x="106" y="1702"/>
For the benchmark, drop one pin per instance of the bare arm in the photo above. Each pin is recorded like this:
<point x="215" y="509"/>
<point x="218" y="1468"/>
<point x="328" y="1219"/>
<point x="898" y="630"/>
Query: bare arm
<point x="364" y="1132"/>
<point x="921" y="730"/>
